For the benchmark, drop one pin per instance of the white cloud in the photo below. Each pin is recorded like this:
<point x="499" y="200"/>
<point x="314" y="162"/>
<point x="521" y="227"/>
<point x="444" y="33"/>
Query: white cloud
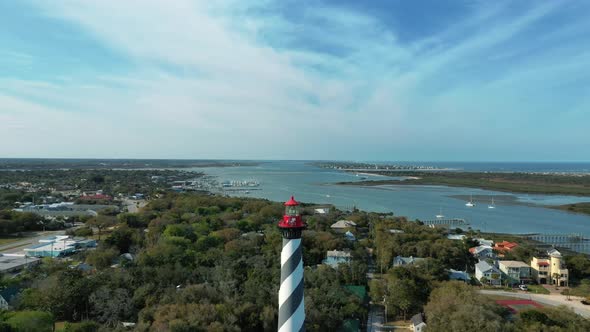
<point x="214" y="80"/>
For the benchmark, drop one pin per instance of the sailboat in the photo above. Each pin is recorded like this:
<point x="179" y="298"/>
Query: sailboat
<point x="440" y="215"/>
<point x="492" y="206"/>
<point x="470" y="203"/>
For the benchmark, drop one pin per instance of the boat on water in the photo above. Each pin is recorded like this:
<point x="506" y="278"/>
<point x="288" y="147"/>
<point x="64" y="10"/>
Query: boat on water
<point x="440" y="215"/>
<point x="492" y="206"/>
<point x="470" y="203"/>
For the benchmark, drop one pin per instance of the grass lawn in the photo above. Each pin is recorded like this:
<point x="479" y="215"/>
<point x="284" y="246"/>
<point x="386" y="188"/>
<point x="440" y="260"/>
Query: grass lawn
<point x="9" y="240"/>
<point x="399" y="323"/>
<point x="59" y="326"/>
<point x="498" y="297"/>
<point x="537" y="289"/>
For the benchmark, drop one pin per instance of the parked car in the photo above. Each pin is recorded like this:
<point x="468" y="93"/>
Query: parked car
<point x="523" y="288"/>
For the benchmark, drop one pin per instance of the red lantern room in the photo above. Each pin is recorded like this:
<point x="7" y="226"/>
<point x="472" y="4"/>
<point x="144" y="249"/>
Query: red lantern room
<point x="292" y="225"/>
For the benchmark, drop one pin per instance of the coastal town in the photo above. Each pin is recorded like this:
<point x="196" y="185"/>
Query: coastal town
<point x="389" y="266"/>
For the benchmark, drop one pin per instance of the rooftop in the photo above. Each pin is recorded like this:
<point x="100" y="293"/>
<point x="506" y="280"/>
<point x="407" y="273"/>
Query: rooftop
<point x="417" y="319"/>
<point x="484" y="266"/>
<point x="514" y="264"/>
<point x="336" y="253"/>
<point x="9" y="262"/>
<point x="343" y="224"/>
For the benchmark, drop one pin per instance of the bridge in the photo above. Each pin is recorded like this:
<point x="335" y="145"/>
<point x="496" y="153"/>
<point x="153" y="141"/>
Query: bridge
<point x="574" y="242"/>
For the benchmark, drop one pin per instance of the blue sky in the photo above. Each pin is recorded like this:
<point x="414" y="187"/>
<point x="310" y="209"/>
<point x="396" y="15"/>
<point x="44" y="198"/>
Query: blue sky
<point x="263" y="79"/>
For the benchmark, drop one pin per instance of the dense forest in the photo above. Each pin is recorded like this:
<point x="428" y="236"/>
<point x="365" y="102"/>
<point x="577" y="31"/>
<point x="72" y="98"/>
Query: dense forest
<point x="197" y="263"/>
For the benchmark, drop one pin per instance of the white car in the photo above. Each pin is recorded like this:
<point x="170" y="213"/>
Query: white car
<point x="523" y="288"/>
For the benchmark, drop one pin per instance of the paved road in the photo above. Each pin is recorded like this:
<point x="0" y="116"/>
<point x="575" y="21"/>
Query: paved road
<point x="551" y="300"/>
<point x="376" y="315"/>
<point x="18" y="246"/>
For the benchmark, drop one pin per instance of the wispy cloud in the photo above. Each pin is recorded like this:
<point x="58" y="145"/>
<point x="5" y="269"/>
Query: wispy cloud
<point x="248" y="79"/>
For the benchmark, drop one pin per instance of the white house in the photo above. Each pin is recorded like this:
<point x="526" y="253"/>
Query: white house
<point x="343" y="224"/>
<point x="349" y="236"/>
<point x="482" y="252"/>
<point x="400" y="260"/>
<point x="484" y="242"/>
<point x="459" y="275"/>
<point x="335" y="257"/>
<point x="490" y="272"/>
<point x="456" y="237"/>
<point x="417" y="323"/>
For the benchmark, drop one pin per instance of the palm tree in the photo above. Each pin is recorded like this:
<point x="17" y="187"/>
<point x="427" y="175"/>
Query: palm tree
<point x="556" y="279"/>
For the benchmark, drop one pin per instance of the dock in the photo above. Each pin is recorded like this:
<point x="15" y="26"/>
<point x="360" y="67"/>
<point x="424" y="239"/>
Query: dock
<point x="452" y="222"/>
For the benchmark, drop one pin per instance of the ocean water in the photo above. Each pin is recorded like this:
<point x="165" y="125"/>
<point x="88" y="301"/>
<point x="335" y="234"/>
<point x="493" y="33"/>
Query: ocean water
<point x="514" y="213"/>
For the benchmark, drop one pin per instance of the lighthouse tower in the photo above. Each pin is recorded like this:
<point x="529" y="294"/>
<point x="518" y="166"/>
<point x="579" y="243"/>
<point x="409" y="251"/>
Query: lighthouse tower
<point x="291" y="307"/>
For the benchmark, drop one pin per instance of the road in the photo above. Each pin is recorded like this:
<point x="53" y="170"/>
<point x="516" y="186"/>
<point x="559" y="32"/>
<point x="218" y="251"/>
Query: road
<point x="551" y="300"/>
<point x="376" y="317"/>
<point x="18" y="246"/>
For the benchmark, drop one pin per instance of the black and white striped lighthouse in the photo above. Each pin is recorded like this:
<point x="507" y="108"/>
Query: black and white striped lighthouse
<point x="291" y="306"/>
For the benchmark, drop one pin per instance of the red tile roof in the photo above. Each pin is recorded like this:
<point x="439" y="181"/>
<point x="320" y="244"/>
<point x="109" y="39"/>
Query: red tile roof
<point x="505" y="245"/>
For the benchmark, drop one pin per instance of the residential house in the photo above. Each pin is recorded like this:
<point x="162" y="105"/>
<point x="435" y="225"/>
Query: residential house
<point x="349" y="236"/>
<point x="550" y="269"/>
<point x="417" y="323"/>
<point x="459" y="275"/>
<point x="321" y="210"/>
<point x="505" y="246"/>
<point x="335" y="257"/>
<point x="516" y="272"/>
<point x="484" y="242"/>
<point x="482" y="252"/>
<point x="456" y="237"/>
<point x="401" y="261"/>
<point x="492" y="274"/>
<point x="343" y="225"/>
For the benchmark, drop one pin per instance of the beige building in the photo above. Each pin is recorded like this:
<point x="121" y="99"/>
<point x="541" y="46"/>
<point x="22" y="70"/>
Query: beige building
<point x="550" y="270"/>
<point x="516" y="272"/>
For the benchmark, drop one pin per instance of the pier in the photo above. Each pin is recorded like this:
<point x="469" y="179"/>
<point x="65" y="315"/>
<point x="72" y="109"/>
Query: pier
<point x="574" y="242"/>
<point x="453" y="222"/>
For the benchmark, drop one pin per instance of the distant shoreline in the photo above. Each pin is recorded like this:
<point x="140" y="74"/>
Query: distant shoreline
<point x="572" y="185"/>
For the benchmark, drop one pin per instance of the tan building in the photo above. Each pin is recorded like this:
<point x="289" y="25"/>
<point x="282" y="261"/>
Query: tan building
<point x="550" y="270"/>
<point x="516" y="272"/>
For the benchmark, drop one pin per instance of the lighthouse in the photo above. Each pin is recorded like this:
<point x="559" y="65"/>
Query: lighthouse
<point x="291" y="307"/>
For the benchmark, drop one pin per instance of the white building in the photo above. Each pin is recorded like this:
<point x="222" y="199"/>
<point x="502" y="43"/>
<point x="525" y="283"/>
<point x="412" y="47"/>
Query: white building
<point x="57" y="246"/>
<point x="417" y="323"/>
<point x="484" y="242"/>
<point x="335" y="257"/>
<point x="15" y="262"/>
<point x="343" y="224"/>
<point x="482" y="252"/>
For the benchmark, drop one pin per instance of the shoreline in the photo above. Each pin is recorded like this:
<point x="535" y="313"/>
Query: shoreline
<point x="572" y="185"/>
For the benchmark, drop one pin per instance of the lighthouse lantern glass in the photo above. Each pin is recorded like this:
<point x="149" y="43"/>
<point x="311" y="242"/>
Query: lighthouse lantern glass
<point x="292" y="211"/>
